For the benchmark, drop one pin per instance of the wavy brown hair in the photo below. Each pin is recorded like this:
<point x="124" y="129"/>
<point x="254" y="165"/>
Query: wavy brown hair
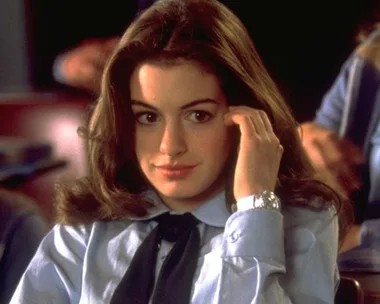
<point x="206" y="32"/>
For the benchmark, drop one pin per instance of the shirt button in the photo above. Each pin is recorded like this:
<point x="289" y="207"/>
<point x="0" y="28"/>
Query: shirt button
<point x="163" y="258"/>
<point x="234" y="237"/>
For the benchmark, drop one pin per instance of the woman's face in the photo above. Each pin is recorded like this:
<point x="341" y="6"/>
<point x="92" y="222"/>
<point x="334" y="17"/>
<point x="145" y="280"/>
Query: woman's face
<point x="182" y="143"/>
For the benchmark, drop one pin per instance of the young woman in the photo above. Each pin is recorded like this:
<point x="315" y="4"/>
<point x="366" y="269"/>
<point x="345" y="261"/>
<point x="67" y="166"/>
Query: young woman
<point x="198" y="190"/>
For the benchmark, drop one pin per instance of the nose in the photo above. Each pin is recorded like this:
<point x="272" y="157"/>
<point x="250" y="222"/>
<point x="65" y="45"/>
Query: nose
<point x="173" y="141"/>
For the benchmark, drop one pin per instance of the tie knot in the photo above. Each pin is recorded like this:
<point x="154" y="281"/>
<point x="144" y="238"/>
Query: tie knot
<point x="171" y="227"/>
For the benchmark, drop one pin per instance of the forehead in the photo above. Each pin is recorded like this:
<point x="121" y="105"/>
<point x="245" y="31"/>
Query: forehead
<point x="178" y="82"/>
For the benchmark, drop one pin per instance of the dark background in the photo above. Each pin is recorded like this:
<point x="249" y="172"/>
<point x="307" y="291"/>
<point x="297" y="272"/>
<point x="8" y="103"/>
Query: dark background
<point x="303" y="44"/>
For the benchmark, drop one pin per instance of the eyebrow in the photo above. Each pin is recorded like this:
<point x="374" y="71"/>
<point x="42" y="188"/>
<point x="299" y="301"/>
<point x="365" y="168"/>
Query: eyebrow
<point x="184" y="107"/>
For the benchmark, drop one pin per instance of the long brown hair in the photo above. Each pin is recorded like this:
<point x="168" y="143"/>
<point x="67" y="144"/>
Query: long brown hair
<point x="207" y="32"/>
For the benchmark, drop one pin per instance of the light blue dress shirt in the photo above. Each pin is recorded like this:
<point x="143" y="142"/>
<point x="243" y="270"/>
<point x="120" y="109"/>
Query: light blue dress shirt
<point x="252" y="256"/>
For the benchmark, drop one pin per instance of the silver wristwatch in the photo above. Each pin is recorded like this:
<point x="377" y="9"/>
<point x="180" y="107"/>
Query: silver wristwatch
<point x="266" y="199"/>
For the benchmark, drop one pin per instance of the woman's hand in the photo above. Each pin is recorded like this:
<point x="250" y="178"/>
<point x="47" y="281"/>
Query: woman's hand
<point x="259" y="153"/>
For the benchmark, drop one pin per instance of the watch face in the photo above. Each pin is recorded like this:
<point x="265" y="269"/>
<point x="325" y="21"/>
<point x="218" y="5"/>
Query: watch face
<point x="269" y="200"/>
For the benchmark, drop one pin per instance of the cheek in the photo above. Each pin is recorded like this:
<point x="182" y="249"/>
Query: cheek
<point x="144" y="144"/>
<point x="215" y="143"/>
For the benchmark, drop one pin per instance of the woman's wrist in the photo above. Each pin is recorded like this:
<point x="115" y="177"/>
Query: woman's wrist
<point x="265" y="200"/>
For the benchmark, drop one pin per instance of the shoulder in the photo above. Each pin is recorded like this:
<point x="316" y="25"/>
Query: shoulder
<point x="84" y="234"/>
<point x="366" y="55"/>
<point x="369" y="50"/>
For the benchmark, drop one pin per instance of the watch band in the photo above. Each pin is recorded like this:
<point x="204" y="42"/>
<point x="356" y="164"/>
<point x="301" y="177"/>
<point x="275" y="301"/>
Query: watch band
<point x="266" y="200"/>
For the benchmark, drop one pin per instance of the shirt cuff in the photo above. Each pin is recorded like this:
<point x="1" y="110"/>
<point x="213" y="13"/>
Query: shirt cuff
<point x="255" y="201"/>
<point x="254" y="233"/>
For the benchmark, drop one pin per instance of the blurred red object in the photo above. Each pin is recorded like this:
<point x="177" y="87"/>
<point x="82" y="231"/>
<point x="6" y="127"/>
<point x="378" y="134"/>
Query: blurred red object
<point x="49" y="118"/>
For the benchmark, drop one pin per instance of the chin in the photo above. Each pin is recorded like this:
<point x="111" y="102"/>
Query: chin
<point x="198" y="193"/>
<point x="180" y="194"/>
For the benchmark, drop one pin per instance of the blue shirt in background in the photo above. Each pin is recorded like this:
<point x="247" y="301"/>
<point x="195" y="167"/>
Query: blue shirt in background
<point x="351" y="109"/>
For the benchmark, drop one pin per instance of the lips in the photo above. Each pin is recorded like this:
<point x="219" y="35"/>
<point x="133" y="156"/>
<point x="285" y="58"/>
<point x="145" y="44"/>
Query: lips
<point x="175" y="167"/>
<point x="176" y="171"/>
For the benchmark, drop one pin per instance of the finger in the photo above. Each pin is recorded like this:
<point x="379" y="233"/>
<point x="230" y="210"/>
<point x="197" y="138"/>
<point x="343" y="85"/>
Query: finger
<point x="246" y="126"/>
<point x="269" y="130"/>
<point x="258" y="122"/>
<point x="266" y="121"/>
<point x="255" y="117"/>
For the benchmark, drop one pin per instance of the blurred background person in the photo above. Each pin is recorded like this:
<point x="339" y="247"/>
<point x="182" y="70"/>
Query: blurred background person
<point x="343" y="141"/>
<point x="22" y="228"/>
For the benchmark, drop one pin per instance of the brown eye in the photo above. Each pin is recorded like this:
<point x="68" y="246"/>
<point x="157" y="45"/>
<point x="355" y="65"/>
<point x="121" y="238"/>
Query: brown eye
<point x="199" y="116"/>
<point x="146" y="118"/>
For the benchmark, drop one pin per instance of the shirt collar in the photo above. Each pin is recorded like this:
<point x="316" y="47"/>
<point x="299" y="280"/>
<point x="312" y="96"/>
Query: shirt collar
<point x="214" y="212"/>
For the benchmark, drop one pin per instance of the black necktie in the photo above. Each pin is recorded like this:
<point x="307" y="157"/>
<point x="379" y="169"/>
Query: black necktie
<point x="175" y="279"/>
